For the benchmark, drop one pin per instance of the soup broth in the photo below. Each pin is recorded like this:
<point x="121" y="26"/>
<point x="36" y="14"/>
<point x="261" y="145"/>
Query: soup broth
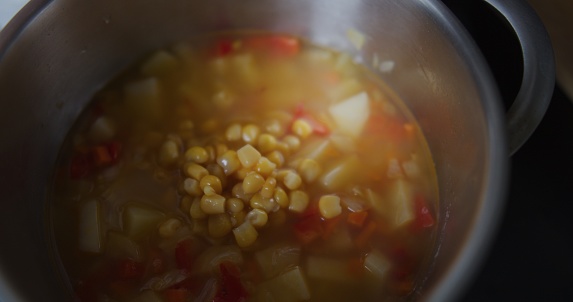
<point x="247" y="167"/>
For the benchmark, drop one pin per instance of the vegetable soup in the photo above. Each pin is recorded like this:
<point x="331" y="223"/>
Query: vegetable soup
<point x="246" y="167"/>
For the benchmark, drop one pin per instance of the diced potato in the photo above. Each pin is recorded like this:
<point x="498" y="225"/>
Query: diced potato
<point x="142" y="98"/>
<point x="290" y="286"/>
<point x="120" y="246"/>
<point x="397" y="205"/>
<point x="91" y="229"/>
<point x="351" y="115"/>
<point x="277" y="259"/>
<point x="160" y="63"/>
<point x="341" y="173"/>
<point x="327" y="269"/>
<point x="377" y="264"/>
<point x="139" y="220"/>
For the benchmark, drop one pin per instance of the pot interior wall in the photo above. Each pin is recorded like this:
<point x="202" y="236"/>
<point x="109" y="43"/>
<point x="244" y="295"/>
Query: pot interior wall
<point x="72" y="48"/>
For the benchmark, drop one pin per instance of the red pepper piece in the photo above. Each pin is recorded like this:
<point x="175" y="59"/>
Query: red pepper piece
<point x="278" y="45"/>
<point x="129" y="269"/>
<point x="230" y="287"/>
<point x="317" y="127"/>
<point x="223" y="47"/>
<point x="184" y="254"/>
<point x="308" y="228"/>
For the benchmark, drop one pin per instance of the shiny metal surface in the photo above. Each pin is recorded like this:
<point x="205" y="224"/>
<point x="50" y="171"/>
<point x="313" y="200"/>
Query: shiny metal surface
<point x="56" y="54"/>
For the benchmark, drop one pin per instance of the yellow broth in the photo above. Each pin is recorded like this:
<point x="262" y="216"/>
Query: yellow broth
<point x="245" y="168"/>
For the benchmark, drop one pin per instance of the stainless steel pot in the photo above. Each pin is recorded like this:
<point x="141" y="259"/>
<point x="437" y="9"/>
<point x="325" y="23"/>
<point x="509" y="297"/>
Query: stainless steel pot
<point x="55" y="54"/>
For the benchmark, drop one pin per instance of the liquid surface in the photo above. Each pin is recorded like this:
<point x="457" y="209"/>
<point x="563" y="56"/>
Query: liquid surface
<point x="245" y="168"/>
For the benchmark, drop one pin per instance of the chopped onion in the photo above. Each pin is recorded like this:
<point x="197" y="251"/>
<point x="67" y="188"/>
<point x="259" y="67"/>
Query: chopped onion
<point x="166" y="280"/>
<point x="210" y="259"/>
<point x="377" y="264"/>
<point x="90" y="230"/>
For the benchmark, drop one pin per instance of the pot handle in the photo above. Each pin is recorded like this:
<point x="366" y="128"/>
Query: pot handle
<point x="538" y="80"/>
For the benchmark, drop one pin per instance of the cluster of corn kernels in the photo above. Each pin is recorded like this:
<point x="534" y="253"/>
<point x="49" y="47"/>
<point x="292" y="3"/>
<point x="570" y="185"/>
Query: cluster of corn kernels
<point x="236" y="190"/>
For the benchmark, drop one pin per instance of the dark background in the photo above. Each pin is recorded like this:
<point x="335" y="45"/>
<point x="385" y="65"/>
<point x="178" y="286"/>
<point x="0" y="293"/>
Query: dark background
<point x="532" y="256"/>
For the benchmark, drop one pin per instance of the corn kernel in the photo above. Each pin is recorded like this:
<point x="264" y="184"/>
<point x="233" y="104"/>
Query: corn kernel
<point x="200" y="226"/>
<point x="248" y="156"/>
<point x="192" y="187"/>
<point x="309" y="170"/>
<point x="219" y="225"/>
<point x="245" y="234"/>
<point x="197" y="154"/>
<point x="292" y="180"/>
<point x="292" y="141"/>
<point x="243" y="172"/>
<point x="257" y="217"/>
<point x="283" y="147"/>
<point x="238" y="192"/>
<point x="274" y="127"/>
<point x="238" y="218"/>
<point x="229" y="161"/>
<point x="266" y="143"/>
<point x="268" y="189"/>
<point x="195" y="171"/>
<point x="235" y="205"/>
<point x="168" y="228"/>
<point x="220" y="149"/>
<point x="265" y="167"/>
<point x="250" y="133"/>
<point x="168" y="153"/>
<point x="301" y="128"/>
<point x="213" y="204"/>
<point x="260" y="202"/>
<point x="253" y="182"/>
<point x="277" y="158"/>
<point x="211" y="181"/>
<point x="298" y="201"/>
<point x="216" y="170"/>
<point x="212" y="152"/>
<point x="195" y="210"/>
<point x="234" y="132"/>
<point x="208" y="190"/>
<point x="329" y="206"/>
<point x="281" y="197"/>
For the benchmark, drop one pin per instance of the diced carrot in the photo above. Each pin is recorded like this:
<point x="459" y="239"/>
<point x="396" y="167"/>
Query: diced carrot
<point x="357" y="219"/>
<point x="363" y="237"/>
<point x="279" y="45"/>
<point x="329" y="225"/>
<point x="101" y="156"/>
<point x="176" y="295"/>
